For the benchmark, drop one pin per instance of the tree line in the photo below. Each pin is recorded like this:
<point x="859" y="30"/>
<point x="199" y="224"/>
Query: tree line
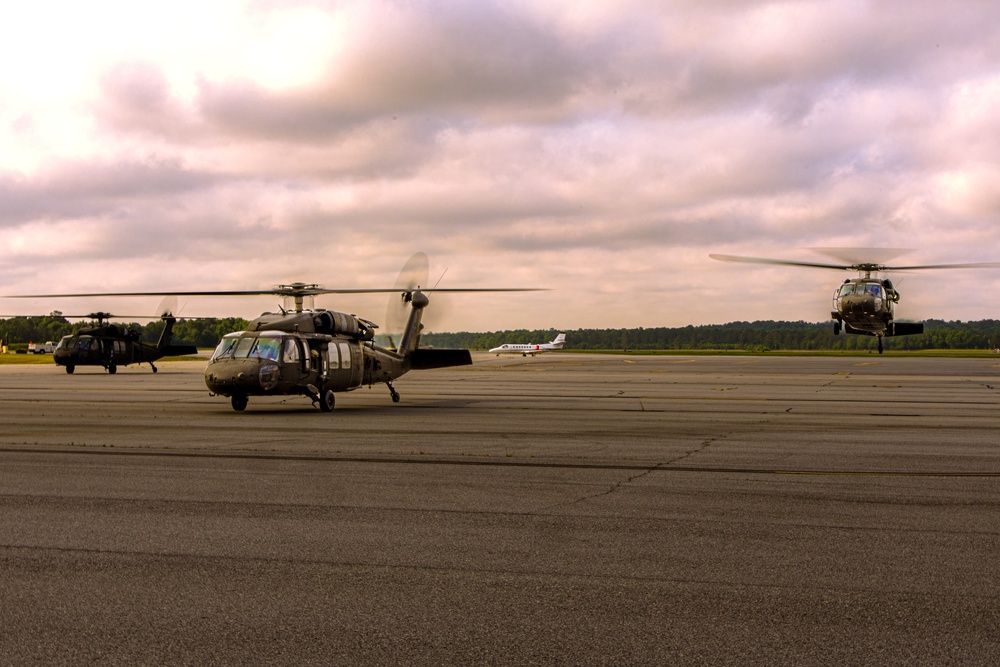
<point x="749" y="336"/>
<point x="207" y="332"/>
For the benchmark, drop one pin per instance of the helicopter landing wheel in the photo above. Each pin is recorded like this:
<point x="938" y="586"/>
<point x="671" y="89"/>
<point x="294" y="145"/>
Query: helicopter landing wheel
<point x="393" y="392"/>
<point x="70" y="368"/>
<point x="112" y="369"/>
<point x="327" y="401"/>
<point x="880" y="346"/>
<point x="239" y="402"/>
<point x="836" y="328"/>
<point x="153" y="367"/>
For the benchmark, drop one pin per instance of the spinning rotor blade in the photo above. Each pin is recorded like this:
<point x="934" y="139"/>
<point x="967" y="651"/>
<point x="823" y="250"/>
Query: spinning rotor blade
<point x="780" y="262"/>
<point x="857" y="266"/>
<point x="413" y="274"/>
<point x="859" y="256"/>
<point x="168" y="307"/>
<point x="974" y="265"/>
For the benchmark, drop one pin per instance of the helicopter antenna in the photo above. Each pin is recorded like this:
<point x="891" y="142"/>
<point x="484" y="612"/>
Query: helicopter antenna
<point x="441" y="278"/>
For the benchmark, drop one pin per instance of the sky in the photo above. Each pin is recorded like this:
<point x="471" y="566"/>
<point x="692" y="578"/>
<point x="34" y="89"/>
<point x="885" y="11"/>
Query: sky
<point x="601" y="150"/>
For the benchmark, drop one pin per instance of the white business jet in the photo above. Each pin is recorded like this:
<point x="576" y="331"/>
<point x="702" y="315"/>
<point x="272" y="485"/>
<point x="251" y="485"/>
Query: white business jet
<point x="524" y="349"/>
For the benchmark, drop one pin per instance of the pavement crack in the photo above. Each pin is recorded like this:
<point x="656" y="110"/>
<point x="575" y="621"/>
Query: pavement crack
<point x="606" y="492"/>
<point x="639" y="474"/>
<point x="697" y="450"/>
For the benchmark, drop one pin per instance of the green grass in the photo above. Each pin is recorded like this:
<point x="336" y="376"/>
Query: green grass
<point x="952" y="354"/>
<point x="24" y="359"/>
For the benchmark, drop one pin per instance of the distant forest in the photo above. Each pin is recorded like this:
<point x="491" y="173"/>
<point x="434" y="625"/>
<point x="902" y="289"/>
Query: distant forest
<point x="750" y="336"/>
<point x="201" y="332"/>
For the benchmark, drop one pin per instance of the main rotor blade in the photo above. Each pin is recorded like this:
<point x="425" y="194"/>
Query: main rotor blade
<point x="858" y="256"/>
<point x="974" y="265"/>
<point x="304" y="292"/>
<point x="780" y="262"/>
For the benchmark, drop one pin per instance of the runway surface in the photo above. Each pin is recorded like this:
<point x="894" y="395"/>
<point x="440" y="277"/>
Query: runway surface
<point x="567" y="509"/>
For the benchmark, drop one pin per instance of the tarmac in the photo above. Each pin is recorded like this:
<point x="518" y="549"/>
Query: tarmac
<point x="565" y="509"/>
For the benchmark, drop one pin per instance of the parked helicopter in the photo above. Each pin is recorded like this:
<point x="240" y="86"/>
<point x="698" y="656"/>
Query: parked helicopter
<point x="864" y="305"/>
<point x="110" y="345"/>
<point x="316" y="353"/>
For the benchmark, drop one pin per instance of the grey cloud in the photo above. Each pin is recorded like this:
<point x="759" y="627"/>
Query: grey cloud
<point x="91" y="188"/>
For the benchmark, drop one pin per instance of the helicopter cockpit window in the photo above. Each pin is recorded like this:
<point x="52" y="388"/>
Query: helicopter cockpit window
<point x="268" y="347"/>
<point x="847" y="289"/>
<point x="873" y="290"/>
<point x="83" y="342"/>
<point x="66" y="343"/>
<point x="225" y="347"/>
<point x="243" y="346"/>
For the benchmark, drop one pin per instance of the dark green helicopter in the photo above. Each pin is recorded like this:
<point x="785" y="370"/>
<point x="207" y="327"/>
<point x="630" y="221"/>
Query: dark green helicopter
<point x="864" y="305"/>
<point x="110" y="345"/>
<point x="315" y="352"/>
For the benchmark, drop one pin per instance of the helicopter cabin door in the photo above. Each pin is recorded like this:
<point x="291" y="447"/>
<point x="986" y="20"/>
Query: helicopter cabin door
<point x="345" y="365"/>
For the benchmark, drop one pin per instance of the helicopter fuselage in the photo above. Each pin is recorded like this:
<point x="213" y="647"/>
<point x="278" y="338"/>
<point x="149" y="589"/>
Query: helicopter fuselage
<point x="110" y="346"/>
<point x="865" y="305"/>
<point x="271" y="362"/>
<point x="317" y="353"/>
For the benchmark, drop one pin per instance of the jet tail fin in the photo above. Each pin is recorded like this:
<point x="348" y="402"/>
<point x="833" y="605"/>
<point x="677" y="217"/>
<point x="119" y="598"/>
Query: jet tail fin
<point x="559" y="340"/>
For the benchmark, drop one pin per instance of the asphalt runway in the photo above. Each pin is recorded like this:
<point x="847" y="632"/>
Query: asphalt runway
<point x="565" y="509"/>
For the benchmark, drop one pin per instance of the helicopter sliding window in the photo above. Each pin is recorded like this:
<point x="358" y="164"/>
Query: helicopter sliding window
<point x="291" y="353"/>
<point x="334" y="362"/>
<point x="345" y="355"/>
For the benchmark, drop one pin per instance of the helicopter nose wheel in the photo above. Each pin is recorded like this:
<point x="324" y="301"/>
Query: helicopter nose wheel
<point x="393" y="392"/>
<point x="239" y="402"/>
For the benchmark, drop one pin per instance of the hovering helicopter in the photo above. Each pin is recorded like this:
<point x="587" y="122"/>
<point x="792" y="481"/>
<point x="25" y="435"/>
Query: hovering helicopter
<point x="315" y="352"/>
<point x="863" y="305"/>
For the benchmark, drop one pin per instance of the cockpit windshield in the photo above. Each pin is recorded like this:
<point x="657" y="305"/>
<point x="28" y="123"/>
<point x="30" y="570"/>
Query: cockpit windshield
<point x="265" y="346"/>
<point x="873" y="289"/>
<point x="862" y="289"/>
<point x="268" y="347"/>
<point x="225" y="346"/>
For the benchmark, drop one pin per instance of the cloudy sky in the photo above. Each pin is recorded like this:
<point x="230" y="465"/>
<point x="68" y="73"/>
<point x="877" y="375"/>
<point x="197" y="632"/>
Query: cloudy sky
<point x="600" y="149"/>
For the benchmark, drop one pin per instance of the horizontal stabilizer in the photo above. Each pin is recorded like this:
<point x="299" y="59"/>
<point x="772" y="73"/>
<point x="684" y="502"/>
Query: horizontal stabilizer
<point x="424" y="358"/>
<point x="907" y="328"/>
